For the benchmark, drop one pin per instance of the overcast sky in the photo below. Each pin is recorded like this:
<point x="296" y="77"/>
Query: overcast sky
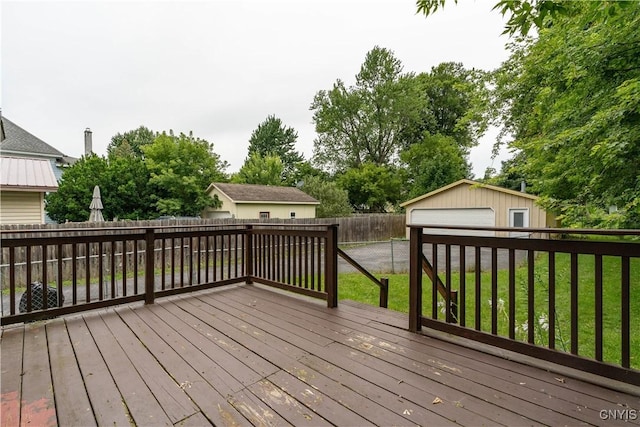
<point x="217" y="68"/>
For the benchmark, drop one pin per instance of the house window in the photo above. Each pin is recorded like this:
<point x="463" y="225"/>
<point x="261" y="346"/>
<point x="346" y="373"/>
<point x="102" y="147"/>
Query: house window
<point x="264" y="215"/>
<point x="518" y="218"/>
<point x="292" y="215"/>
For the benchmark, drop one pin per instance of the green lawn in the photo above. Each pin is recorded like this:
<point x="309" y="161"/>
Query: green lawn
<point x="356" y="287"/>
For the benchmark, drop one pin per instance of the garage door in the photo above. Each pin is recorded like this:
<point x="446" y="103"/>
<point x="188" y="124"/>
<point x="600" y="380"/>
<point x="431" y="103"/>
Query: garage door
<point x="467" y="217"/>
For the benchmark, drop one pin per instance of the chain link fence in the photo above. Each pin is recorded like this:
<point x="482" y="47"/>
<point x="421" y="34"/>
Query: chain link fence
<point x="381" y="257"/>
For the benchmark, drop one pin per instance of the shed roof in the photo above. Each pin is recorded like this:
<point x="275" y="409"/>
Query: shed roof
<point x="470" y="183"/>
<point x="21" y="173"/>
<point x="17" y="141"/>
<point x="252" y="193"/>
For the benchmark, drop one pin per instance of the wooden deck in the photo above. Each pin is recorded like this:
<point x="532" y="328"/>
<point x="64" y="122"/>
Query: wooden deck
<point x="245" y="355"/>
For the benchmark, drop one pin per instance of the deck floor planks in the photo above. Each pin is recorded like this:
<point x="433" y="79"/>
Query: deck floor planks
<point x="37" y="400"/>
<point x="354" y="342"/>
<point x="106" y="402"/>
<point x="205" y="390"/>
<point x="317" y="350"/>
<point x="292" y="366"/>
<point x="72" y="401"/>
<point x="167" y="391"/>
<point x="286" y="405"/>
<point x="583" y="406"/>
<point x="11" y="374"/>
<point x="351" y="365"/>
<point x="572" y="390"/>
<point x="175" y="351"/>
<point x="140" y="401"/>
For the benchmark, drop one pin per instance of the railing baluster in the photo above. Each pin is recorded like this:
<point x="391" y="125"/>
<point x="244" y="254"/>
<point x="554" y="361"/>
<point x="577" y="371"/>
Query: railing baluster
<point x="434" y="282"/>
<point x="512" y="294"/>
<point x="124" y="268"/>
<point x="45" y="281"/>
<point x="313" y="258"/>
<point x="60" y="279"/>
<point x="447" y="275"/>
<point x="74" y="273"/>
<point x="87" y="272"/>
<point x="494" y="291"/>
<point x="478" y="292"/>
<point x="100" y="271"/>
<point x="135" y="267"/>
<point x="552" y="300"/>
<point x="574" y="303"/>
<point x="625" y="327"/>
<point x="462" y="302"/>
<point x="113" y="268"/>
<point x="531" y="308"/>
<point x="598" y="306"/>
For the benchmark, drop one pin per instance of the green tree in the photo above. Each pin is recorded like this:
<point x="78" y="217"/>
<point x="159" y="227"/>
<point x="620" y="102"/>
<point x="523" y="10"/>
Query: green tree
<point x="267" y="170"/>
<point x="433" y="163"/>
<point x="373" y="188"/>
<point x="334" y="201"/>
<point x="455" y="105"/>
<point x="125" y="189"/>
<point x="130" y="142"/>
<point x="523" y="15"/>
<point x="75" y="190"/>
<point x="181" y="168"/>
<point x="570" y="99"/>
<point x="273" y="138"/>
<point x="365" y="123"/>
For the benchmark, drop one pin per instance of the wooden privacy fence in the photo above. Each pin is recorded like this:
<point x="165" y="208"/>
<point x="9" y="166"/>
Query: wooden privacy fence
<point x="574" y="302"/>
<point x="356" y="228"/>
<point x="114" y="266"/>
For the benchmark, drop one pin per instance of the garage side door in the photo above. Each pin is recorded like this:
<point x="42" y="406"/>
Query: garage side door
<point x="466" y="217"/>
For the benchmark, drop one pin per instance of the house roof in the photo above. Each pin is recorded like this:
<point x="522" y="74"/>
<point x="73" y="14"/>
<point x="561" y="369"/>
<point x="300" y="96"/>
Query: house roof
<point x="16" y="141"/>
<point x="470" y="183"/>
<point x="252" y="193"/>
<point x="21" y="173"/>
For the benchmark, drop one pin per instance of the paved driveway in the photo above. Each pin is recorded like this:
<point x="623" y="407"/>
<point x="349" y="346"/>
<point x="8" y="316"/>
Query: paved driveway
<point x="393" y="257"/>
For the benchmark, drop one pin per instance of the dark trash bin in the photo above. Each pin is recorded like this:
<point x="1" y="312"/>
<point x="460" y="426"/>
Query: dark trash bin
<point x="36" y="298"/>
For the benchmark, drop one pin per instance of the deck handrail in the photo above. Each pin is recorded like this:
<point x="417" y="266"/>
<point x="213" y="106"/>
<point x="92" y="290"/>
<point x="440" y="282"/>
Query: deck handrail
<point x="540" y="288"/>
<point x="100" y="267"/>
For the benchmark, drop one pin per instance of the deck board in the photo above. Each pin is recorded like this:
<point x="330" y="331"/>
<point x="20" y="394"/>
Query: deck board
<point x="246" y="355"/>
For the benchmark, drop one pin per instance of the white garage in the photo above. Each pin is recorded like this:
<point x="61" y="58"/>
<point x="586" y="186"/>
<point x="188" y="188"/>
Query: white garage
<point x="468" y="203"/>
<point x="464" y="217"/>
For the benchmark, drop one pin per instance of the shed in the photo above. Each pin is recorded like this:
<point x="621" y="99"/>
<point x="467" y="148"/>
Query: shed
<point x="251" y="201"/>
<point x="24" y="183"/>
<point x="474" y="204"/>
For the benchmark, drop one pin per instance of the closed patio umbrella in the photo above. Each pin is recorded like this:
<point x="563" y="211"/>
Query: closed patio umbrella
<point x="96" y="206"/>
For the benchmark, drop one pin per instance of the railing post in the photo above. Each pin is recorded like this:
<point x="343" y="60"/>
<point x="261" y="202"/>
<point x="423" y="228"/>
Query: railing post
<point x="415" y="279"/>
<point x="331" y="266"/>
<point x="149" y="273"/>
<point x="248" y="254"/>
<point x="384" y="292"/>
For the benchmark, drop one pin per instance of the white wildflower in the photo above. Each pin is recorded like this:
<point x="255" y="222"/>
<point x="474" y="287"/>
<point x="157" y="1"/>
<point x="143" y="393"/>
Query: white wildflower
<point x="443" y="307"/>
<point x="543" y="321"/>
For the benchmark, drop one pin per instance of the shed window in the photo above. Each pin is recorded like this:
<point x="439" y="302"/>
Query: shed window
<point x="264" y="215"/>
<point x="292" y="215"/>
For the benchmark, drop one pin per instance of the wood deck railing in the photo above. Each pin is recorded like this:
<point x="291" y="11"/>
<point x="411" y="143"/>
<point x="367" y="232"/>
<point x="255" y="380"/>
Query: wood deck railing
<point x="84" y="269"/>
<point x="572" y="301"/>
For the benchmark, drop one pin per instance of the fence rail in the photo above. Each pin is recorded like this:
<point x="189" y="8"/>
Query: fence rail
<point x="573" y="302"/>
<point x="91" y="268"/>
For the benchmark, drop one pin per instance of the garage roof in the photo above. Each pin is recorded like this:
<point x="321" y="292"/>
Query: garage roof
<point x="252" y="193"/>
<point x="20" y="173"/>
<point x="472" y="183"/>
